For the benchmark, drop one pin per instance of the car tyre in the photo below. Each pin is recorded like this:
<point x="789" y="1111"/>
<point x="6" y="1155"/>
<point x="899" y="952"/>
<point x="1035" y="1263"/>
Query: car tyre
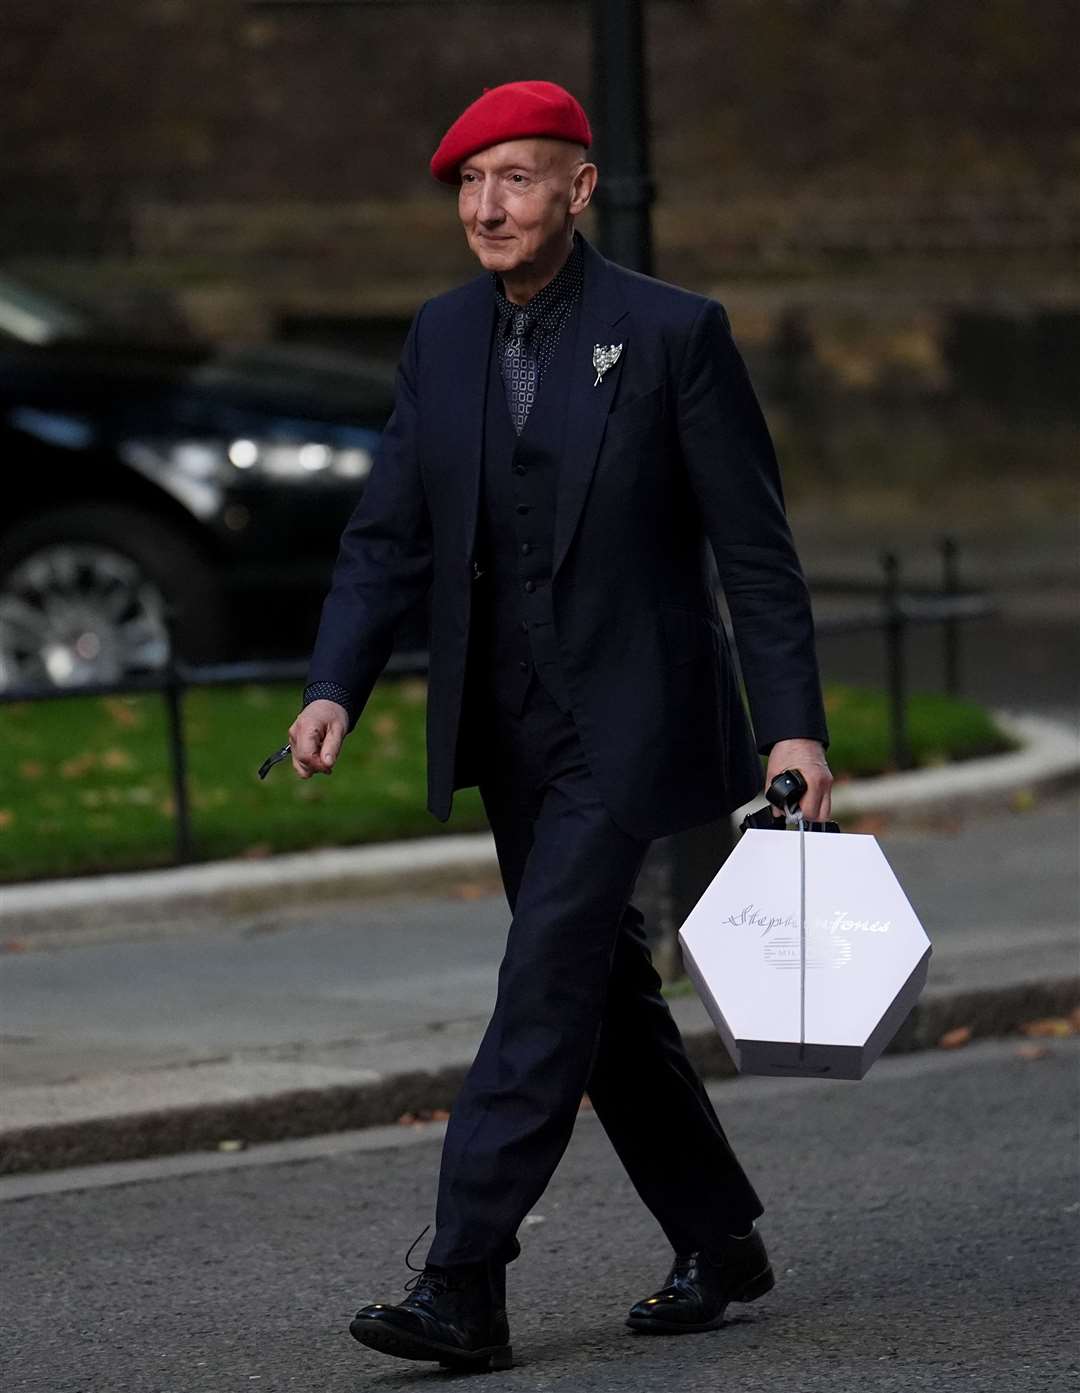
<point x="172" y="566"/>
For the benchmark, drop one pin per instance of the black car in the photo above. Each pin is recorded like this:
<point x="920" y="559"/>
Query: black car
<point x="168" y="487"/>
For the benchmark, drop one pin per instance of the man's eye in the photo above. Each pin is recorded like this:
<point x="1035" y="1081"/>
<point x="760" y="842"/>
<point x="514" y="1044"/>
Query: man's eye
<point x="517" y="179"/>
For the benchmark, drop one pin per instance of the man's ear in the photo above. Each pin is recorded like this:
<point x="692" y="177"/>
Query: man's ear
<point x="581" y="191"/>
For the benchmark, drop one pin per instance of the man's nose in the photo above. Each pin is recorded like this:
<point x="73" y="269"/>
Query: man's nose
<point x="489" y="209"/>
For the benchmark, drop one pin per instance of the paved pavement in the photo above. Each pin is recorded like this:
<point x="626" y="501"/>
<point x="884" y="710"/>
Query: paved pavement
<point x="923" y="1225"/>
<point x="283" y="1023"/>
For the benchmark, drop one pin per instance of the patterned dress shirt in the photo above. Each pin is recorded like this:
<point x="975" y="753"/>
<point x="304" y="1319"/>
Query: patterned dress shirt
<point x="529" y="334"/>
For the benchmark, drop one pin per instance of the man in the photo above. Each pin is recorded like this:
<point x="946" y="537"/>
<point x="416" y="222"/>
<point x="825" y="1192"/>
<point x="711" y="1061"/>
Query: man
<point x="567" y="439"/>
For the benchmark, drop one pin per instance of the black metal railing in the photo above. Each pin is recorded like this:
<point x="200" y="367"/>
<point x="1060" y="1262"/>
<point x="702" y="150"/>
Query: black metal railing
<point x="892" y="611"/>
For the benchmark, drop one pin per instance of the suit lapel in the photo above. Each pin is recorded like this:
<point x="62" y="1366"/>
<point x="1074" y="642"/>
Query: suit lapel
<point x="468" y="351"/>
<point x="587" y="406"/>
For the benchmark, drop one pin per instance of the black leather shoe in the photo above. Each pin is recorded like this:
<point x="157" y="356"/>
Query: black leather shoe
<point x="699" y="1287"/>
<point x="453" y="1315"/>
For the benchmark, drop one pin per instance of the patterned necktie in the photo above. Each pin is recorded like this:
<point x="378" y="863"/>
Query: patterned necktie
<point x="521" y="370"/>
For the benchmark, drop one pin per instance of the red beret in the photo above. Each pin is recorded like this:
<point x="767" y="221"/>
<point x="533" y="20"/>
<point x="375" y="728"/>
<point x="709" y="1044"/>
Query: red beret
<point x="514" y="111"/>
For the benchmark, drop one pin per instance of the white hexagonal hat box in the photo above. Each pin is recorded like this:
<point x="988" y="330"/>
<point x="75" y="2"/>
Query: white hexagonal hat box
<point x="817" y="994"/>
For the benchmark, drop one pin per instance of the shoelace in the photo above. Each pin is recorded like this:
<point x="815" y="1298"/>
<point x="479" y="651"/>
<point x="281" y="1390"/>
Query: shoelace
<point x="425" y="1276"/>
<point x="680" y="1269"/>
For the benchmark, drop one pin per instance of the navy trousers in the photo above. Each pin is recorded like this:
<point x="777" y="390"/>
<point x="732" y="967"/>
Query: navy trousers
<point x="578" y="1010"/>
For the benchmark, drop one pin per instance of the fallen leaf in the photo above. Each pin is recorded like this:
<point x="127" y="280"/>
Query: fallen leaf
<point x="385" y="725"/>
<point x="258" y="851"/>
<point x="1023" y="800"/>
<point x="231" y="1144"/>
<point x="1052" y="1028"/>
<point x="412" y="690"/>
<point x="123" y="711"/>
<point x="955" y="1038"/>
<point x="31" y="769"/>
<point x="78" y="765"/>
<point x="422" y="1115"/>
<point x="1034" y="1051"/>
<point x="13" y="945"/>
<point x="7" y="817"/>
<point x="468" y="890"/>
<point x="116" y="759"/>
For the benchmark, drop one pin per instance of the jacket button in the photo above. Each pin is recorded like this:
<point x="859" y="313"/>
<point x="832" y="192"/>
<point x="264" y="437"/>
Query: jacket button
<point x="530" y="586"/>
<point x="525" y="626"/>
<point x="519" y="469"/>
<point x="526" y="547"/>
<point x="523" y="665"/>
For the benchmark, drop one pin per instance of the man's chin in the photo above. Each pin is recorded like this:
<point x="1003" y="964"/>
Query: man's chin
<point x="495" y="255"/>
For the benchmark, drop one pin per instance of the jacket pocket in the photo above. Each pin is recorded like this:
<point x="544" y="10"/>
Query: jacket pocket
<point x="637" y="415"/>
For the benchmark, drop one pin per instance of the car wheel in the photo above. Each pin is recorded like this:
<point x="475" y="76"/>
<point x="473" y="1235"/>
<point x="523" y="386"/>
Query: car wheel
<point x="86" y="594"/>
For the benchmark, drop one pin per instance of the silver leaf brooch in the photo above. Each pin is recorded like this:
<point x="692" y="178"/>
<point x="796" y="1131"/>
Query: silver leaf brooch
<point x="604" y="357"/>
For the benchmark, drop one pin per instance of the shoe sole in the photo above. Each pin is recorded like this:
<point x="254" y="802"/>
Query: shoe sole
<point x="654" y="1325"/>
<point x="386" y="1340"/>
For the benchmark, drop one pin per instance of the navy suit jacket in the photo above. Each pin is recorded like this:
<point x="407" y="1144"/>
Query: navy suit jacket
<point x="669" y="454"/>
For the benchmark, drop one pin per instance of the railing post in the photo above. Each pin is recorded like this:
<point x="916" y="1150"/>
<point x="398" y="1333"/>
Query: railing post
<point x="696" y="856"/>
<point x="174" y="713"/>
<point x="895" y="666"/>
<point x="675" y="874"/>
<point x="950" y="574"/>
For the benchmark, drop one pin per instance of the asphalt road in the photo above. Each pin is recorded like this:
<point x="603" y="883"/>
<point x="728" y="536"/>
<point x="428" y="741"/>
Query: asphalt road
<point x="922" y="1224"/>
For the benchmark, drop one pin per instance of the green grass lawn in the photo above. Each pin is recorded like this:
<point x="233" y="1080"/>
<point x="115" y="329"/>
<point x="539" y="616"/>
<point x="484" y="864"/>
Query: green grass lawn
<point x="85" y="784"/>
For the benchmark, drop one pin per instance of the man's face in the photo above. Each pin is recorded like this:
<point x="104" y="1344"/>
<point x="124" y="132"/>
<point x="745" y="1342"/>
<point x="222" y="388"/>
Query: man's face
<point x="517" y="199"/>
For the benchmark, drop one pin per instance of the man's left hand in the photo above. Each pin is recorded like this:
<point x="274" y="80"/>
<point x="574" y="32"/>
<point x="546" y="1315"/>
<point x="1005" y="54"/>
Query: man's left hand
<point x="808" y="756"/>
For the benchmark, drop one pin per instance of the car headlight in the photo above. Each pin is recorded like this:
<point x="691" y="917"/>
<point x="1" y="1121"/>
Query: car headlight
<point x="279" y="459"/>
<point x="221" y="462"/>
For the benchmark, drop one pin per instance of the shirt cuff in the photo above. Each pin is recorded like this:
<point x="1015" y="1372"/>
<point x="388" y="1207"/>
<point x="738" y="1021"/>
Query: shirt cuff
<point x="330" y="691"/>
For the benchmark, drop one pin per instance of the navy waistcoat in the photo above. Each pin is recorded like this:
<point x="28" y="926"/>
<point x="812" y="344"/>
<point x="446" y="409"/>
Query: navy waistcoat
<point x="512" y="599"/>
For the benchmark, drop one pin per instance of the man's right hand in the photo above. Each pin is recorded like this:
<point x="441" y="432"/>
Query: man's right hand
<point x="316" y="736"/>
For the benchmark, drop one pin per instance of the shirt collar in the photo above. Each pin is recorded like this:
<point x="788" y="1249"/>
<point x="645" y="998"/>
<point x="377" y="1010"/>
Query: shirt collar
<point x="559" y="293"/>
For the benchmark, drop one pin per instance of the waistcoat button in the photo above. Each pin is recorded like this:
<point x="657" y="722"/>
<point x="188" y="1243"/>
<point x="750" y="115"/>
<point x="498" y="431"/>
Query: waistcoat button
<point x="526" y="547"/>
<point x="519" y="469"/>
<point x="523" y="665"/>
<point x="530" y="586"/>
